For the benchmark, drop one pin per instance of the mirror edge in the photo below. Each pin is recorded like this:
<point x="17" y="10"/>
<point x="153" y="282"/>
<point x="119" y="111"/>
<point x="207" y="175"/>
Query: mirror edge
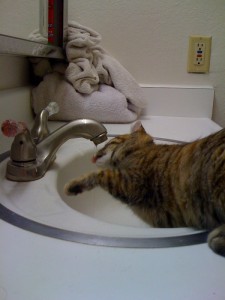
<point x="21" y="47"/>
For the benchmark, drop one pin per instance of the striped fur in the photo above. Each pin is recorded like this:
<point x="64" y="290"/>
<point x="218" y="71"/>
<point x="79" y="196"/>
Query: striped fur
<point x="168" y="185"/>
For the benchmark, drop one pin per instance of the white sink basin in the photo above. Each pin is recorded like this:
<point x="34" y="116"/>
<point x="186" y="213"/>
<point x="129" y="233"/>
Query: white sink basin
<point x="93" y="217"/>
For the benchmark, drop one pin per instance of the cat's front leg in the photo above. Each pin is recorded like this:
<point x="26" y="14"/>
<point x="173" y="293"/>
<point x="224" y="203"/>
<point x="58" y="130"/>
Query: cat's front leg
<point x="111" y="180"/>
<point x="81" y="184"/>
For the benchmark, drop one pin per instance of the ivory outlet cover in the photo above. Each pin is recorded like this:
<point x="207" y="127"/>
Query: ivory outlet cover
<point x="199" y="54"/>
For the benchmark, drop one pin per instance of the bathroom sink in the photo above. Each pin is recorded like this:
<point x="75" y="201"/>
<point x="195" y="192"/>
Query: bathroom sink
<point x="94" y="217"/>
<point x="96" y="203"/>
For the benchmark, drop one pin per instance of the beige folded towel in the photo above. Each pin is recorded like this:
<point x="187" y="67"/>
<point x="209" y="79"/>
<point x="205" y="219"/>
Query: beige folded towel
<point x="106" y="105"/>
<point x="90" y="65"/>
<point x="94" y="85"/>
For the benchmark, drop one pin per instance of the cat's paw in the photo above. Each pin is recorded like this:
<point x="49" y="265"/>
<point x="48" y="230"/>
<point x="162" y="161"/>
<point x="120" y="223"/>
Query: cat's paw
<point x="77" y="186"/>
<point x="216" y="240"/>
<point x="74" y="188"/>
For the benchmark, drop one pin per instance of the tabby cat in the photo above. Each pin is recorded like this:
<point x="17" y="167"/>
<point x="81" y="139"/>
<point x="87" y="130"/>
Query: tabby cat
<point x="174" y="185"/>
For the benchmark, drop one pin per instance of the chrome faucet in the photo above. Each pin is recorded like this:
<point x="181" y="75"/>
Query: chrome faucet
<point x="30" y="161"/>
<point x="40" y="128"/>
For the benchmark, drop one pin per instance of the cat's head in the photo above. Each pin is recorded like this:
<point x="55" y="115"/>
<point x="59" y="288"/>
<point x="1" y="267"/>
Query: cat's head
<point x="122" y="146"/>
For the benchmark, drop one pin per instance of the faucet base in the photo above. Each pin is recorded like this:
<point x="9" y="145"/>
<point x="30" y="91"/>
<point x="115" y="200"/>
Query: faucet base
<point x="21" y="172"/>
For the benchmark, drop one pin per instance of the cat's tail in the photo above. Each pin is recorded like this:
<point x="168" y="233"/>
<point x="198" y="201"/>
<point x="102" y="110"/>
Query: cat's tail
<point x="216" y="240"/>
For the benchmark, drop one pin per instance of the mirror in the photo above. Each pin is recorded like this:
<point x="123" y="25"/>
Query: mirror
<point x="33" y="27"/>
<point x="19" y="18"/>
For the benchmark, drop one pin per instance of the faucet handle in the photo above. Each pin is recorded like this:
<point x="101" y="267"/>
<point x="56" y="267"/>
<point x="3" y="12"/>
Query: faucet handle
<point x="52" y="108"/>
<point x="40" y="128"/>
<point x="11" y="128"/>
<point x="23" y="148"/>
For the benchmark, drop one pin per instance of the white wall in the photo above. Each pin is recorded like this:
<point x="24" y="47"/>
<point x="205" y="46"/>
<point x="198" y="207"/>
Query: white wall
<point x="150" y="38"/>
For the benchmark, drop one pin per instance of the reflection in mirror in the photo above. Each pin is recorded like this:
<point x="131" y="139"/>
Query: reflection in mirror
<point x="15" y="46"/>
<point x="19" y="18"/>
<point x="33" y="28"/>
<point x="42" y="21"/>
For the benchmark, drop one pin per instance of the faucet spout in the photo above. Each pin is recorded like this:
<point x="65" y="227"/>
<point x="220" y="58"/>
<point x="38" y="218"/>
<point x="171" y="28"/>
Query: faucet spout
<point x="47" y="148"/>
<point x="82" y="128"/>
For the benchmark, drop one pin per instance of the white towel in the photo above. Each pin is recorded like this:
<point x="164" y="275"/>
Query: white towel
<point x="88" y="70"/>
<point x="89" y="65"/>
<point x="106" y="105"/>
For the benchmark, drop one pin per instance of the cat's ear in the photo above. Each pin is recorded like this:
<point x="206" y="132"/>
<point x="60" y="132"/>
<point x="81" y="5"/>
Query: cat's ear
<point x="137" y="127"/>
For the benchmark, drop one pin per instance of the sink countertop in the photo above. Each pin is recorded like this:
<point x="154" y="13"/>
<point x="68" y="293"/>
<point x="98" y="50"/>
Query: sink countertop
<point x="35" y="267"/>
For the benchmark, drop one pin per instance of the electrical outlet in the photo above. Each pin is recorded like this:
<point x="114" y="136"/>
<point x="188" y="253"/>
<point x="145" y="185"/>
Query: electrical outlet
<point x="199" y="54"/>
